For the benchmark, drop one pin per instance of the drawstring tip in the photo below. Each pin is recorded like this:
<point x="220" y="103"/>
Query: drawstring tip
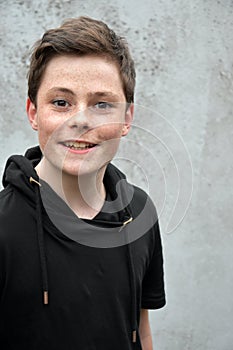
<point x="134" y="336"/>
<point x="125" y="223"/>
<point x="46" y="298"/>
<point x="33" y="180"/>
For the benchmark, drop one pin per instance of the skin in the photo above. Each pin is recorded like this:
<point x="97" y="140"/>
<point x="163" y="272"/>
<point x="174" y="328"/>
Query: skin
<point x="81" y="98"/>
<point x="145" y="331"/>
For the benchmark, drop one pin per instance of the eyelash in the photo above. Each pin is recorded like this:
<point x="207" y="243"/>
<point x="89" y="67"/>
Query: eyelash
<point x="55" y="103"/>
<point x="101" y="107"/>
<point x="106" y="104"/>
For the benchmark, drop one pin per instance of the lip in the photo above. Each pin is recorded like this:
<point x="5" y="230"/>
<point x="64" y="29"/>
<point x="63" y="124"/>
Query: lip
<point x="79" y="151"/>
<point x="79" y="140"/>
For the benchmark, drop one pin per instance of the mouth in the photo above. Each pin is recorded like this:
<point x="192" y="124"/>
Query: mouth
<point x="78" y="146"/>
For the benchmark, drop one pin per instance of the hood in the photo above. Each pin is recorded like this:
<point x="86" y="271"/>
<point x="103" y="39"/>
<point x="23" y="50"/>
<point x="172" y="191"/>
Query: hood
<point x="20" y="173"/>
<point x="20" y="169"/>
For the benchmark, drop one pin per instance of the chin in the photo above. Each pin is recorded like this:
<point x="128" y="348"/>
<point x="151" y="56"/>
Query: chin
<point x="81" y="170"/>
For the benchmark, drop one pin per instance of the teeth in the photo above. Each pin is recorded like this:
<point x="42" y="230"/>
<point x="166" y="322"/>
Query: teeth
<point x="78" y="145"/>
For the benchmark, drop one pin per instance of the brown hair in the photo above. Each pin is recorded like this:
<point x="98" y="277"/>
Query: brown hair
<point x="81" y="36"/>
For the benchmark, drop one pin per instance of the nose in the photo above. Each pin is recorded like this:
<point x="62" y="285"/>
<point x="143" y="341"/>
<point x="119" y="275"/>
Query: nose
<point x="79" y="121"/>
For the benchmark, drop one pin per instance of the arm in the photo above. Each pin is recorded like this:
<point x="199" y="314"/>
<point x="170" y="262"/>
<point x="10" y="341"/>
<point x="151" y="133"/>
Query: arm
<point x="145" y="331"/>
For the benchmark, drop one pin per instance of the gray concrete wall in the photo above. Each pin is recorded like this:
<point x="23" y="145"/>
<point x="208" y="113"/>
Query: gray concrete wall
<point x="184" y="57"/>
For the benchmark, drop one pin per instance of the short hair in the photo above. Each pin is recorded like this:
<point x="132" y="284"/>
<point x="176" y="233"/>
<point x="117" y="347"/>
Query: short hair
<point x="81" y="36"/>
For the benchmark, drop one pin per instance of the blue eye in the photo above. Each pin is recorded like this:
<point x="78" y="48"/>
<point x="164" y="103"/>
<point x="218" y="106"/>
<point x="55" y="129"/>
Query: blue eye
<point x="103" y="105"/>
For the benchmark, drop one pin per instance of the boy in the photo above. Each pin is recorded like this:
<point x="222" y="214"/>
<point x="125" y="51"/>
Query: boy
<point x="80" y="250"/>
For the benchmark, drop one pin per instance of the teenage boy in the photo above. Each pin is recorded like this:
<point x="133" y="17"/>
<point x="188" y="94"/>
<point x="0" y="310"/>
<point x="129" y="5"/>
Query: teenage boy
<point x="80" y="249"/>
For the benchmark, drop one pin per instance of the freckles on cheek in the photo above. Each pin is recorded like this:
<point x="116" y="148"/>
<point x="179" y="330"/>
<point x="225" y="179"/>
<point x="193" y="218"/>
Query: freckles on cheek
<point x="46" y="134"/>
<point x="43" y="140"/>
<point x="110" y="132"/>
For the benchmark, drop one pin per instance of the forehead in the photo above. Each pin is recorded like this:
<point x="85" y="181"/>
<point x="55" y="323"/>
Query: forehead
<point x="86" y="71"/>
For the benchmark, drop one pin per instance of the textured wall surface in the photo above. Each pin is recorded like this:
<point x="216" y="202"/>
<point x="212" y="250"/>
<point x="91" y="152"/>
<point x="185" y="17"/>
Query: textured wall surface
<point x="184" y="58"/>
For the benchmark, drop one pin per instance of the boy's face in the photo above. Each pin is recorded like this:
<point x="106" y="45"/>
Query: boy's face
<point x="81" y="113"/>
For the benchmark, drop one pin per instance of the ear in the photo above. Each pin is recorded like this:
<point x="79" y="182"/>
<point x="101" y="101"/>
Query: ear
<point x="32" y="114"/>
<point x="128" y="119"/>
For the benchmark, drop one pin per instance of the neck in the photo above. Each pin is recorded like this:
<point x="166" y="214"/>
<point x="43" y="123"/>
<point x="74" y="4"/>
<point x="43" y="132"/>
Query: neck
<point x="85" y="194"/>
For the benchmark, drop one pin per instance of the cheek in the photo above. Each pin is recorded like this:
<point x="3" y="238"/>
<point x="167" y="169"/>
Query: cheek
<point x="110" y="135"/>
<point x="46" y="131"/>
<point x="110" y="132"/>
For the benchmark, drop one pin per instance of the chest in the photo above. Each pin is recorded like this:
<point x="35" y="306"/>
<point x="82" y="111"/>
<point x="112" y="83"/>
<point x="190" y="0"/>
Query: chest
<point x="77" y="274"/>
<point x="90" y="275"/>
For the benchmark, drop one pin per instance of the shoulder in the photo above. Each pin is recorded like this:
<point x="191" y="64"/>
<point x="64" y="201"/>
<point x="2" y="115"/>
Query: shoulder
<point x="141" y="201"/>
<point x="145" y="222"/>
<point x="5" y="198"/>
<point x="7" y="206"/>
<point x="134" y="199"/>
<point x="6" y="214"/>
<point x="14" y="213"/>
<point x="5" y="192"/>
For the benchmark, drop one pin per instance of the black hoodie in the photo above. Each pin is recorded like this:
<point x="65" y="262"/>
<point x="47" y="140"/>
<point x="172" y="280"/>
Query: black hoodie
<point x="73" y="284"/>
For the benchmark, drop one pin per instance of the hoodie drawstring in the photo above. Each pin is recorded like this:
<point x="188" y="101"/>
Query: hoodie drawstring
<point x="132" y="285"/>
<point x="133" y="295"/>
<point x="43" y="263"/>
<point x="41" y="244"/>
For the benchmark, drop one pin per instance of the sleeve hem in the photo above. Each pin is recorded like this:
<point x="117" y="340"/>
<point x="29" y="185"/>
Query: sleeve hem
<point x="152" y="305"/>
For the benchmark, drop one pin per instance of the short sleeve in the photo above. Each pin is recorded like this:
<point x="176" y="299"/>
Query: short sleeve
<point x="153" y="292"/>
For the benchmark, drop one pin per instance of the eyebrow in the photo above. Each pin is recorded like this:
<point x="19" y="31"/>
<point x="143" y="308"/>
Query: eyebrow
<point x="103" y="94"/>
<point x="62" y="89"/>
<point x="107" y="94"/>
